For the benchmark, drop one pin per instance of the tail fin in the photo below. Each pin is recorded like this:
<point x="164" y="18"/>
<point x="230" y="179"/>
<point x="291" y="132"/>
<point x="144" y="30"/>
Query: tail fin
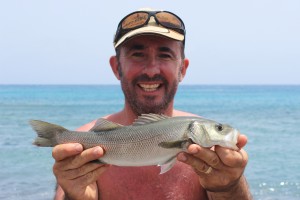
<point x="46" y="133"/>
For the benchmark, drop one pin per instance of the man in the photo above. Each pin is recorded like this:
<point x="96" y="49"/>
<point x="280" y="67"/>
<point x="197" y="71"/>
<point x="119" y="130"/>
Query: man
<point x="150" y="63"/>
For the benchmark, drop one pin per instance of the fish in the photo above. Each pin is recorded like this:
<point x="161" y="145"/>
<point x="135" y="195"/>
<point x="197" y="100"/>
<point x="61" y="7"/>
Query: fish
<point x="152" y="139"/>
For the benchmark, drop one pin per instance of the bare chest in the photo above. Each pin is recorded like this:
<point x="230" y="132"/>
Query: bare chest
<point x="135" y="183"/>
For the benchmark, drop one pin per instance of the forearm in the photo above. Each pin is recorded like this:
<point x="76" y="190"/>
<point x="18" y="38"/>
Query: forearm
<point x="90" y="194"/>
<point x="237" y="192"/>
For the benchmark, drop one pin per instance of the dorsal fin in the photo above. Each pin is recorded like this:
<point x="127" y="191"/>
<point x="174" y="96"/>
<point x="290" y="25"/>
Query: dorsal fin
<point x="148" y="118"/>
<point x="104" y="125"/>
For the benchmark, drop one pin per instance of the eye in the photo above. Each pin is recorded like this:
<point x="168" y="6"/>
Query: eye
<point x="165" y="56"/>
<point x="219" y="127"/>
<point x="138" y="54"/>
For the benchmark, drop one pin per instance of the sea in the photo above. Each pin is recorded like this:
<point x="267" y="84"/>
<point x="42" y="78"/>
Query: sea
<point x="268" y="114"/>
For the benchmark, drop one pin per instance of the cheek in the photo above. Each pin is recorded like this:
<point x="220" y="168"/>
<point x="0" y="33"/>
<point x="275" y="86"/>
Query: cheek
<point x="172" y="75"/>
<point x="129" y="73"/>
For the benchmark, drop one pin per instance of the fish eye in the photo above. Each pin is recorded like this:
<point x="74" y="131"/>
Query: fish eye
<point x="219" y="127"/>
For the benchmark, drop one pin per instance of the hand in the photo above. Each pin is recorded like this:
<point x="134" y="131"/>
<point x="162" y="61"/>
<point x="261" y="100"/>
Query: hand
<point x="75" y="173"/>
<point x="220" y="169"/>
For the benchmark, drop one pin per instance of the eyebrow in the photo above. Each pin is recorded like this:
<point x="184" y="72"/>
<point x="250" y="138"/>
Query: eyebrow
<point x="136" y="47"/>
<point x="165" y="49"/>
<point x="142" y="47"/>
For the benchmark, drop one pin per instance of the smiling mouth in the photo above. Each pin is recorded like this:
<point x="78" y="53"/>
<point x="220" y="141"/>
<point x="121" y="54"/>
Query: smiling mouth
<point x="149" y="87"/>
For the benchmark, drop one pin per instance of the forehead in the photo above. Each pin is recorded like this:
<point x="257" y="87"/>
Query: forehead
<point x="147" y="41"/>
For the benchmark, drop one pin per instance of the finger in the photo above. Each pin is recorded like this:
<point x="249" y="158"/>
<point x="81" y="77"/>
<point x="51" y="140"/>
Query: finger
<point x="84" y="157"/>
<point x="205" y="154"/>
<point x="242" y="141"/>
<point x="78" y="172"/>
<point x="232" y="158"/>
<point x="198" y="165"/>
<point x="91" y="177"/>
<point x="62" y="151"/>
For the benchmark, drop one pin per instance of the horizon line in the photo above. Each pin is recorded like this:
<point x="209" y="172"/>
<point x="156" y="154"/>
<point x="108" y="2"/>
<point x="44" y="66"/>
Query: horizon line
<point x="113" y="84"/>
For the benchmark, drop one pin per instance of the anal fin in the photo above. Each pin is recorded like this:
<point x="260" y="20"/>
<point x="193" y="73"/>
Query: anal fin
<point x="167" y="166"/>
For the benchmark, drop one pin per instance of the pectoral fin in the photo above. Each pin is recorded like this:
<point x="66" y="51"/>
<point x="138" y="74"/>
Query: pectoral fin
<point x="174" y="144"/>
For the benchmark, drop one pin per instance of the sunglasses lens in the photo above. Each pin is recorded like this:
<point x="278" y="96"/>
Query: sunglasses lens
<point x="169" y="20"/>
<point x="135" y="20"/>
<point x="138" y="19"/>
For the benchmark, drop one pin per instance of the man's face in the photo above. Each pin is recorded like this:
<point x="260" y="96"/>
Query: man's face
<point x="150" y="69"/>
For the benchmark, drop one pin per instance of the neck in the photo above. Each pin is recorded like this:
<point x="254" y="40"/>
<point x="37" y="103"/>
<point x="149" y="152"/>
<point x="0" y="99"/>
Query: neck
<point x="128" y="115"/>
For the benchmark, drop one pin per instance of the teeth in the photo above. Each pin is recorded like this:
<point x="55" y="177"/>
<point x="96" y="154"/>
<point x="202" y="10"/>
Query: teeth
<point x="149" y="88"/>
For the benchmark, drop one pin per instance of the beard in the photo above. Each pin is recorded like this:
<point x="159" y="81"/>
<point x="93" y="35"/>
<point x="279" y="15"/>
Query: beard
<point x="148" y="103"/>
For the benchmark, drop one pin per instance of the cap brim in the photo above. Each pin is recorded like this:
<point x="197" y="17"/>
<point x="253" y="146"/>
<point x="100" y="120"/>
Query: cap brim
<point x="157" y="30"/>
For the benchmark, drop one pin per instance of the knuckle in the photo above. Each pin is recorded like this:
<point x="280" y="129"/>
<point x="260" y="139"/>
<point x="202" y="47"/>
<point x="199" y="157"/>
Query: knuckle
<point x="58" y="173"/>
<point x="75" y="162"/>
<point x="64" y="176"/>
<point x="214" y="161"/>
<point x="239" y="159"/>
<point x="59" y="152"/>
<point x="198" y="166"/>
<point x="55" y="153"/>
<point x="55" y="169"/>
<point x="193" y="162"/>
<point x="244" y="158"/>
<point x="202" y="168"/>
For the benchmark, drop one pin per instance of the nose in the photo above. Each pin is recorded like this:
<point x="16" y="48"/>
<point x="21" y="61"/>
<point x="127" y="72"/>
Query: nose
<point x="152" y="67"/>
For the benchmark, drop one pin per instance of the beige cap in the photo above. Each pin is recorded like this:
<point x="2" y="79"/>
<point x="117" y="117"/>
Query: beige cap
<point x="151" y="28"/>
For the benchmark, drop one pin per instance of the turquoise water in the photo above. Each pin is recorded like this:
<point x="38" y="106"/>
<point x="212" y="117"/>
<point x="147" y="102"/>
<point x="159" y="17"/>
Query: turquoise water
<point x="268" y="115"/>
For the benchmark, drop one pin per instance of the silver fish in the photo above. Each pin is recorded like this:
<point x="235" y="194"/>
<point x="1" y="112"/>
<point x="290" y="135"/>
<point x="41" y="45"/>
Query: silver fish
<point x="151" y="140"/>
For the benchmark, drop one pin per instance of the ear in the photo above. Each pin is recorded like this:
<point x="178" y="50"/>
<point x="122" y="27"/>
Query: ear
<point x="185" y="65"/>
<point x="114" y="63"/>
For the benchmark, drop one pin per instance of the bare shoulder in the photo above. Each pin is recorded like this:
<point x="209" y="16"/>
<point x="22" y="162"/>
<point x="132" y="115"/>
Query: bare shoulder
<point x="182" y="113"/>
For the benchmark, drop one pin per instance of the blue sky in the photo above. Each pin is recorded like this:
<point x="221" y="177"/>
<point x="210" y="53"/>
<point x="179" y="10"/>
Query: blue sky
<point x="228" y="42"/>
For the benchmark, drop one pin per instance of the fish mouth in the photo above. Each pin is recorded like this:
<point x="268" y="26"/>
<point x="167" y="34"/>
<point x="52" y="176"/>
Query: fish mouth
<point x="150" y="87"/>
<point x="235" y="135"/>
<point x="232" y="139"/>
<point x="235" y="138"/>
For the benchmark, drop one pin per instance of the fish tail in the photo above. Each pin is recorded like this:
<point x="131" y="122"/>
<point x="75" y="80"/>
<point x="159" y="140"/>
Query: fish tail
<point x="46" y="133"/>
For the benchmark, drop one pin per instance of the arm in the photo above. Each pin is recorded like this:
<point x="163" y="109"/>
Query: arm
<point x="220" y="170"/>
<point x="75" y="174"/>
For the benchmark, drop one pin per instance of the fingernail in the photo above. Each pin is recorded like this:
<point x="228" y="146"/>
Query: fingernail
<point x="97" y="151"/>
<point x="182" y="157"/>
<point x="194" y="150"/>
<point x="78" y="147"/>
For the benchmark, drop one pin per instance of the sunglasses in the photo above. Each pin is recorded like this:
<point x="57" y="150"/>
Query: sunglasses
<point x="138" y="19"/>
